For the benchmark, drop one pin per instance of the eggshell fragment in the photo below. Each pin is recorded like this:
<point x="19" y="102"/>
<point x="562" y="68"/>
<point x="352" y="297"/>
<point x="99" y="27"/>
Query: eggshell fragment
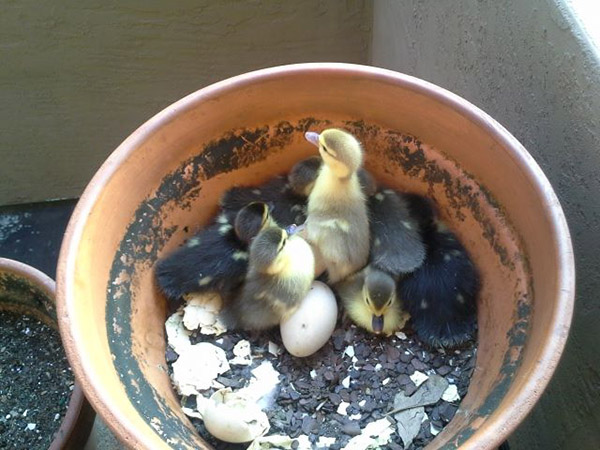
<point x="178" y="335"/>
<point x="311" y="326"/>
<point x="451" y="394"/>
<point x="242" y="353"/>
<point x="262" y="389"/>
<point x="202" y="312"/>
<point x="233" y="417"/>
<point x="197" y="368"/>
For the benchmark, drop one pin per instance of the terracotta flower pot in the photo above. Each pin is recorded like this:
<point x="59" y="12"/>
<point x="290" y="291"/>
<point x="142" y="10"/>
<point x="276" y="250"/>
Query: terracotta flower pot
<point x="28" y="291"/>
<point x="166" y="178"/>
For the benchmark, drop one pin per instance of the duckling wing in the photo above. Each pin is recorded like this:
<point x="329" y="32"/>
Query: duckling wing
<point x="213" y="259"/>
<point x="422" y="210"/>
<point x="342" y="238"/>
<point x="246" y="313"/>
<point x="396" y="244"/>
<point x="257" y="307"/>
<point x="441" y="294"/>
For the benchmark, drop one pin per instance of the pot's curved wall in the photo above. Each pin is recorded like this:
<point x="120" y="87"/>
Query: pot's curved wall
<point x="76" y="80"/>
<point x="529" y="65"/>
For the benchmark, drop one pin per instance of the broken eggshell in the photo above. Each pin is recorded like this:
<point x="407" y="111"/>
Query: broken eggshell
<point x="178" y="336"/>
<point x="233" y="417"/>
<point x="197" y="368"/>
<point x="202" y="312"/>
<point x="311" y="326"/>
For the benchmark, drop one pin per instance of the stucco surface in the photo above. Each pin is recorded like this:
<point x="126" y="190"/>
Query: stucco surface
<point x="527" y="64"/>
<point x="78" y="77"/>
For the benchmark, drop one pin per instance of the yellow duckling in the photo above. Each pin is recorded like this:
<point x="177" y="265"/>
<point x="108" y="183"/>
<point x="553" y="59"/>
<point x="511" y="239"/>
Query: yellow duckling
<point x="369" y="298"/>
<point x="280" y="273"/>
<point x="337" y="223"/>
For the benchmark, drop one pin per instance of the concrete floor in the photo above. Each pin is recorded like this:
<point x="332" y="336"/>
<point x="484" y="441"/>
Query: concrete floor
<point x="101" y="438"/>
<point x="32" y="234"/>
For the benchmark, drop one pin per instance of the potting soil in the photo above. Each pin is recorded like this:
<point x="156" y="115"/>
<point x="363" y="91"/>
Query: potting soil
<point x="36" y="382"/>
<point x="351" y="382"/>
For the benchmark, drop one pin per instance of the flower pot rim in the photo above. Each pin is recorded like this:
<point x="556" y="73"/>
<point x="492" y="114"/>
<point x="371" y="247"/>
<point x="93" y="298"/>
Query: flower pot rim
<point x="504" y="421"/>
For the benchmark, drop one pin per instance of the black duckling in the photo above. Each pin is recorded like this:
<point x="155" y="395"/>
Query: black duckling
<point x="288" y="208"/>
<point x="369" y="297"/>
<point x="337" y="223"/>
<point x="396" y="245"/>
<point x="215" y="259"/>
<point x="441" y="294"/>
<point x="280" y="273"/>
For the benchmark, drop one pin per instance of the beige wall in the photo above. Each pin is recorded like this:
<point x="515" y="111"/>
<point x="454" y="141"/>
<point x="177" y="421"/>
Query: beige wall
<point x="76" y="79"/>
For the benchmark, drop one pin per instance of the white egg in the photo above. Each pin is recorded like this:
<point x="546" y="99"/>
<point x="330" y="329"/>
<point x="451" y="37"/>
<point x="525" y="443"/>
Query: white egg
<point x="311" y="326"/>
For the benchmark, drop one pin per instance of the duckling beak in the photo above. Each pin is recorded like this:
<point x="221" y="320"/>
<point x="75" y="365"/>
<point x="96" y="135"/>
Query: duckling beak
<point x="312" y="137"/>
<point x="377" y="324"/>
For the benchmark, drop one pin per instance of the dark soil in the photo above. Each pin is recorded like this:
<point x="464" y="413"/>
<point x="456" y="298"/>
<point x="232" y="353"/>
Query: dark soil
<point x="36" y="382"/>
<point x="308" y="404"/>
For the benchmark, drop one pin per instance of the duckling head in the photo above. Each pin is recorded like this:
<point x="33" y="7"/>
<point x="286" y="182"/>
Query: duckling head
<point x="303" y="175"/>
<point x="251" y="219"/>
<point x="379" y="295"/>
<point x="274" y="252"/>
<point x="266" y="249"/>
<point x="340" y="151"/>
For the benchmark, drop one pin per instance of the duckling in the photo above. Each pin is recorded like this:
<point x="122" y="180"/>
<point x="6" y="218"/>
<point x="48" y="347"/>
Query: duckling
<point x="251" y="219"/>
<point x="288" y="208"/>
<point x="216" y="258"/>
<point x="303" y="175"/>
<point x="280" y="273"/>
<point x="396" y="249"/>
<point x="441" y="294"/>
<point x="337" y="224"/>
<point x="396" y="245"/>
<point x="369" y="297"/>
